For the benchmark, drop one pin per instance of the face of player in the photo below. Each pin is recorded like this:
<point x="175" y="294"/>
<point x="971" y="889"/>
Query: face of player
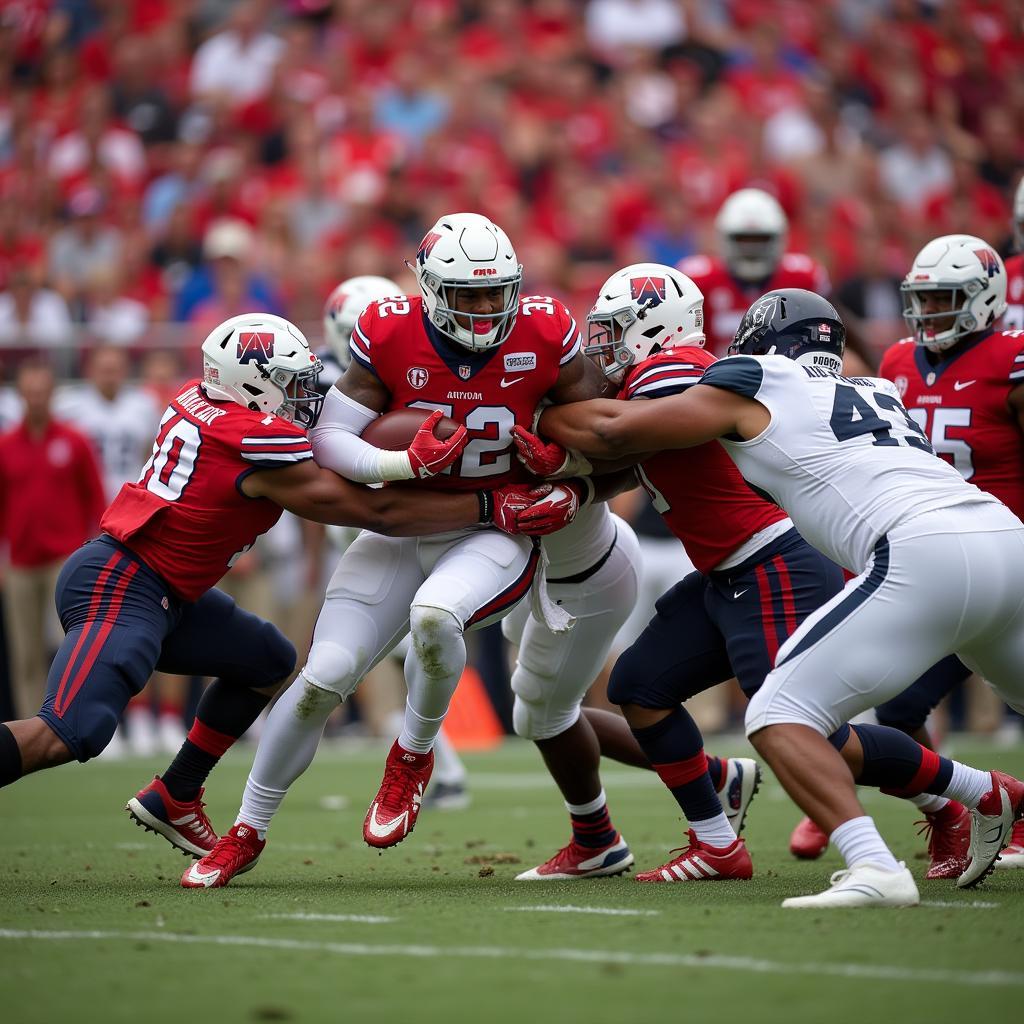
<point x="940" y="301"/>
<point x="482" y="303"/>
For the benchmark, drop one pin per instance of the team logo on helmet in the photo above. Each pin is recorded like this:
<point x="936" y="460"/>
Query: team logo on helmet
<point x="651" y="289"/>
<point x="255" y="346"/>
<point x="764" y="313"/>
<point x="417" y="377"/>
<point x="430" y="239"/>
<point x="988" y="259"/>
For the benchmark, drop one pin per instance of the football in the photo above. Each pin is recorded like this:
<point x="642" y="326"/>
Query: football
<point x="395" y="430"/>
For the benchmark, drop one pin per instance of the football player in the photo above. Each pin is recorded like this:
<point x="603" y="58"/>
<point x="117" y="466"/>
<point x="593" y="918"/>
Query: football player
<point x="1013" y="319"/>
<point x="470" y="346"/>
<point x="962" y="380"/>
<point x="938" y="560"/>
<point x="231" y="452"/>
<point x="752" y="232"/>
<point x="757" y="579"/>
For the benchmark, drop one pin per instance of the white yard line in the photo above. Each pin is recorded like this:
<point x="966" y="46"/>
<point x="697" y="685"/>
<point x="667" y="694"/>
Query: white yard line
<point x="354" y="918"/>
<point x="553" y="908"/>
<point x="750" y="965"/>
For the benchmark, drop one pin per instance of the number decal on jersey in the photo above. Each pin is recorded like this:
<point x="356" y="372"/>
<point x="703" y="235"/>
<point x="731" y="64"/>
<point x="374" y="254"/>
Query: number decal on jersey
<point x="957" y="449"/>
<point x="173" y="461"/>
<point x="397" y="306"/>
<point x="538" y="303"/>
<point x="853" y="416"/>
<point x="482" y="456"/>
<point x="657" y="498"/>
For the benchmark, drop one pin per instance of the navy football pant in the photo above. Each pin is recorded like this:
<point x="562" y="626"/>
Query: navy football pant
<point x="121" y="623"/>
<point x="708" y="628"/>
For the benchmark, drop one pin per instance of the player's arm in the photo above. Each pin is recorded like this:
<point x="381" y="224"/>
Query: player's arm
<point x="315" y="493"/>
<point x="611" y="429"/>
<point x="350" y="406"/>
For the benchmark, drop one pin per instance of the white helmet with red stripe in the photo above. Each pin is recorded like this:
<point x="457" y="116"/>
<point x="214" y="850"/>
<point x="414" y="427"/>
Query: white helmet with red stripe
<point x="967" y="270"/>
<point x="640" y="310"/>
<point x="263" y="363"/>
<point x="752" y="229"/>
<point x="343" y="306"/>
<point x="466" y="250"/>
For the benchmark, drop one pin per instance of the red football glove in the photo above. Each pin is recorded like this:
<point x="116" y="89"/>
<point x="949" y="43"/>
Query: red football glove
<point x="505" y="504"/>
<point x="539" y="457"/>
<point x="428" y="454"/>
<point x="555" y="510"/>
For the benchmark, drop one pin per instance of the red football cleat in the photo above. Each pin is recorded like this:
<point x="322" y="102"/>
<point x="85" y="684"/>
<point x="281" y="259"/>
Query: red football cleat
<point x="807" y="841"/>
<point x="576" y="861"/>
<point x="1012" y="855"/>
<point x="183" y="824"/>
<point x="234" y="854"/>
<point x="991" y="823"/>
<point x="949" y="836"/>
<point x="392" y="815"/>
<point x="700" y="863"/>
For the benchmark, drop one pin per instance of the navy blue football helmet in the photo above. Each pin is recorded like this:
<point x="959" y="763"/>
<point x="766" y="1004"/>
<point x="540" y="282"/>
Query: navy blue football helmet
<point x="792" y="322"/>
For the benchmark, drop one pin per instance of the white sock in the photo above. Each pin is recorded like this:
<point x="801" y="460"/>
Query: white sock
<point x="968" y="785"/>
<point x="929" y="802"/>
<point x="448" y="766"/>
<point x="858" y="840"/>
<point x="716" y="831"/>
<point x="289" y="741"/>
<point x="590" y="807"/>
<point x="418" y="733"/>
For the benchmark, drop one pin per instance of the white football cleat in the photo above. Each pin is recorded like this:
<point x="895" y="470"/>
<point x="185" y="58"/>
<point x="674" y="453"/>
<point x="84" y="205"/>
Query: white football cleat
<point x="1012" y="856"/>
<point x="576" y="861"/>
<point x="742" y="781"/>
<point x="991" y="823"/>
<point x="863" y="885"/>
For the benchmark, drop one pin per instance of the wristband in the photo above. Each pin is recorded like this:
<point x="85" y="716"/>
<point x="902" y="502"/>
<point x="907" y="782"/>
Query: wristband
<point x="486" y="500"/>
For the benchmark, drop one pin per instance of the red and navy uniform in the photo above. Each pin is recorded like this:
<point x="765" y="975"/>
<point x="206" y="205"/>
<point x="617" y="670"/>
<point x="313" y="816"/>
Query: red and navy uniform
<point x="1013" y="318"/>
<point x="489" y="391"/>
<point x="726" y="298"/>
<point x="714" y="624"/>
<point x="959" y="399"/>
<point x="140" y="597"/>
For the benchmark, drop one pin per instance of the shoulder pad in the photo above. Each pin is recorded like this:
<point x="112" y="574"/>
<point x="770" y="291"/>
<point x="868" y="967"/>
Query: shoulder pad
<point x="742" y="375"/>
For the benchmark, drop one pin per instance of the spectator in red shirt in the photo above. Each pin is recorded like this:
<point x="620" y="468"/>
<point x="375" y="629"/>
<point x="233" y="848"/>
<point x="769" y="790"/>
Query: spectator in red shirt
<point x="51" y="500"/>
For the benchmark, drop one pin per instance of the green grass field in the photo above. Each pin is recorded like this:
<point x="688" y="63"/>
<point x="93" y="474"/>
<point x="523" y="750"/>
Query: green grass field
<point x="93" y="925"/>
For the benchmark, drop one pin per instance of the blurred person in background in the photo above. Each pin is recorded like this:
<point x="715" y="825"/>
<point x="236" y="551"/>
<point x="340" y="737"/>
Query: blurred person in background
<point x="31" y="315"/>
<point x="110" y="315"/>
<point x="51" y="500"/>
<point x="84" y="246"/>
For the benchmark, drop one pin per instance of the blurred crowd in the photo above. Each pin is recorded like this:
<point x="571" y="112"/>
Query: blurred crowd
<point x="166" y="164"/>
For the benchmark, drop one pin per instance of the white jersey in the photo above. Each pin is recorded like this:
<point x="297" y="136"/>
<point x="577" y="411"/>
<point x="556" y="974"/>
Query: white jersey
<point x="121" y="431"/>
<point x="841" y="455"/>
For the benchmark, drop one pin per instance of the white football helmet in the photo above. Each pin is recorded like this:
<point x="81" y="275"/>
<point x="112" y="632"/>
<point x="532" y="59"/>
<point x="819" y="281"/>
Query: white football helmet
<point x="264" y="363"/>
<point x="640" y="310"/>
<point x="466" y="250"/>
<point x="752" y="230"/>
<point x="972" y="272"/>
<point x="345" y="304"/>
<point x="1018" y="216"/>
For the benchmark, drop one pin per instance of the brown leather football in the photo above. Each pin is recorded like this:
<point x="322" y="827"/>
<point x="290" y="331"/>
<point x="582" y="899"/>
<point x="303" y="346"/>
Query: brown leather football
<point x="395" y="430"/>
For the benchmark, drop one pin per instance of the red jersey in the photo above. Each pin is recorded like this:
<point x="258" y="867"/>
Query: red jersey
<point x="186" y="517"/>
<point x="1013" y="318"/>
<point x="488" y="391"/>
<point x="726" y="299"/>
<point x="960" y="403"/>
<point x="699" y="491"/>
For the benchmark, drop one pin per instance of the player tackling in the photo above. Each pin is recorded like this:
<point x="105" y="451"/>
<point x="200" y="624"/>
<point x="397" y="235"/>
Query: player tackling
<point x="939" y="565"/>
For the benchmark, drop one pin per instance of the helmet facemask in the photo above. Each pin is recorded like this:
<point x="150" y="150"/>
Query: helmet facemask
<point x="932" y="330"/>
<point x="752" y="256"/>
<point x="483" y="331"/>
<point x="606" y="341"/>
<point x="303" y="403"/>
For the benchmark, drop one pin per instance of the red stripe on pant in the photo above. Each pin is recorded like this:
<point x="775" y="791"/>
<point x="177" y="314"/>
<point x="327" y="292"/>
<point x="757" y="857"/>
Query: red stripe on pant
<point x="788" y="603"/>
<point x="94" y="605"/>
<point x="678" y="773"/>
<point x="764" y="587"/>
<point x="116" y="600"/>
<point x="923" y="777"/>
<point x="510" y="595"/>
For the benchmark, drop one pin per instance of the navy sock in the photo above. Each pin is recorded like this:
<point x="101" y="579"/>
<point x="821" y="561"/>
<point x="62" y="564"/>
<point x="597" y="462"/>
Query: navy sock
<point x="594" y="829"/>
<point x="899" y="765"/>
<point x="675" y="748"/>
<point x="10" y="757"/>
<point x="224" y="713"/>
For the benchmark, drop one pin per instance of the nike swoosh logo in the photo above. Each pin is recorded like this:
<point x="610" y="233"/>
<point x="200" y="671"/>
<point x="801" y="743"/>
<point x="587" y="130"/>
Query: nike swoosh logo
<point x="739" y="594"/>
<point x="959" y="385"/>
<point x="508" y="383"/>
<point x="206" y="878"/>
<point x="384" y="829"/>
